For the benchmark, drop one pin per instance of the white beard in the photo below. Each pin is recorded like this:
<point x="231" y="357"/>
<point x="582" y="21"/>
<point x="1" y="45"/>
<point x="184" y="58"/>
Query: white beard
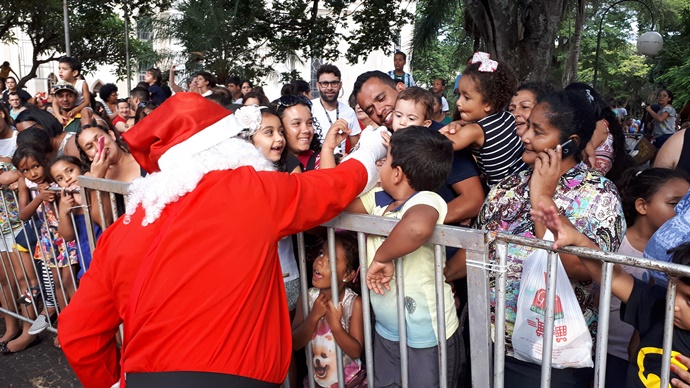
<point x="157" y="190"/>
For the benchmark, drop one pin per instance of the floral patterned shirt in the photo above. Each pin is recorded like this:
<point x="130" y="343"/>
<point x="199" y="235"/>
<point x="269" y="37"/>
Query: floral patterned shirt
<point x="585" y="197"/>
<point x="9" y="211"/>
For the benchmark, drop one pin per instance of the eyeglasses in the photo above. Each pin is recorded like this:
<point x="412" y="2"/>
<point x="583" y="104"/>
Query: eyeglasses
<point x="292" y="100"/>
<point x="325" y="84"/>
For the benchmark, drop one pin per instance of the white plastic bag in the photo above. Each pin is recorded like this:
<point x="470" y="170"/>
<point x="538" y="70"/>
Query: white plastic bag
<point x="572" y="342"/>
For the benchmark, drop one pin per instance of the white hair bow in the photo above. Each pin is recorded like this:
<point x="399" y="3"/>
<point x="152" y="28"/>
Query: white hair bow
<point x="487" y="65"/>
<point x="249" y="117"/>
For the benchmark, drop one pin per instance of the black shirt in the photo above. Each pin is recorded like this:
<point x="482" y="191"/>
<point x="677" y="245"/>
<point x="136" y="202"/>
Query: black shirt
<point x="645" y="311"/>
<point x="23" y="95"/>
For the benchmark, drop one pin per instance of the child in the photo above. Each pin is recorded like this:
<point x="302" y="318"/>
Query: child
<point x="645" y="303"/>
<point x="399" y="61"/>
<point x="414" y="107"/>
<point x="418" y="162"/>
<point x="153" y="78"/>
<point x="69" y="70"/>
<point x="648" y="198"/>
<point x="486" y="88"/>
<point x="52" y="248"/>
<point x="65" y="171"/>
<point x="326" y="325"/>
<point x="264" y="130"/>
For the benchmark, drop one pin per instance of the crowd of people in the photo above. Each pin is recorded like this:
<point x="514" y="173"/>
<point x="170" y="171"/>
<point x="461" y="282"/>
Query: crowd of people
<point x="516" y="158"/>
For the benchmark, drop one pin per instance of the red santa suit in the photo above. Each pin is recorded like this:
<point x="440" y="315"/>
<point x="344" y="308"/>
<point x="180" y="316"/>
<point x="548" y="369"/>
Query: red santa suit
<point x="192" y="270"/>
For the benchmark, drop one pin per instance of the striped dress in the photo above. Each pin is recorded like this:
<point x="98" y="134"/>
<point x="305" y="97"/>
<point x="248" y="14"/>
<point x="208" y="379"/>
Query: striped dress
<point x="501" y="154"/>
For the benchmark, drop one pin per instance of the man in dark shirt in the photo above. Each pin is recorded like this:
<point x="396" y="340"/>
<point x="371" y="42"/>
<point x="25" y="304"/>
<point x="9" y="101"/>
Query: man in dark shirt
<point x="11" y="84"/>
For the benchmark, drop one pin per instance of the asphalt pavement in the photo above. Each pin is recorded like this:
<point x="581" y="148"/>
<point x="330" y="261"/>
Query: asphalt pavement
<point x="40" y="366"/>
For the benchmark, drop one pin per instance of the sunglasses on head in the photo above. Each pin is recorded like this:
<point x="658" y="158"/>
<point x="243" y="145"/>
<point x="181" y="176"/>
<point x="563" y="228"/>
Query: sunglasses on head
<point x="292" y="100"/>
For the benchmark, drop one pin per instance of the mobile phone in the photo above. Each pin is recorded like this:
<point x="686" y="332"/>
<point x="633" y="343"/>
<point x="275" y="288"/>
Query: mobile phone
<point x="569" y="148"/>
<point x="101" y="144"/>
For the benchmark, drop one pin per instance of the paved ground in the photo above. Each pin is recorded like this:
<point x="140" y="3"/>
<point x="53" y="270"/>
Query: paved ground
<point x="40" y="366"/>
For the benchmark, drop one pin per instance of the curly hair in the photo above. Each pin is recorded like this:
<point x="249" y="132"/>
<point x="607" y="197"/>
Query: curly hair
<point x="497" y="87"/>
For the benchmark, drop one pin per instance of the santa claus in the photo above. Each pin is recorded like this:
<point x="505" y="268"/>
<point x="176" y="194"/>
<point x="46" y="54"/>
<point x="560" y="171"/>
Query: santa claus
<point x="192" y="268"/>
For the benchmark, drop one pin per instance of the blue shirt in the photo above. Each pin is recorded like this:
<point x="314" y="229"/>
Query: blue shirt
<point x="670" y="235"/>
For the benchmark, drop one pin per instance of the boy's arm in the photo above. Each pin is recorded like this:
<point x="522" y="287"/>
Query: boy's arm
<point x="565" y="234"/>
<point x="175" y="87"/>
<point x="469" y="134"/>
<point x="414" y="229"/>
<point x="87" y="101"/>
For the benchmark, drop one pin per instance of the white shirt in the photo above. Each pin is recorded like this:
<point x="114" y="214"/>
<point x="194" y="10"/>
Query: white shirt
<point x="327" y="118"/>
<point x="8" y="146"/>
<point x="444" y="103"/>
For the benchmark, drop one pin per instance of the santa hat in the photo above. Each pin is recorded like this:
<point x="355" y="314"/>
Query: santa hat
<point x="178" y="144"/>
<point x="185" y="124"/>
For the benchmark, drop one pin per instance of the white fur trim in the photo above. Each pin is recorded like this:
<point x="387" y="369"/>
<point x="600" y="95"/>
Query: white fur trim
<point x="208" y="137"/>
<point x="181" y="176"/>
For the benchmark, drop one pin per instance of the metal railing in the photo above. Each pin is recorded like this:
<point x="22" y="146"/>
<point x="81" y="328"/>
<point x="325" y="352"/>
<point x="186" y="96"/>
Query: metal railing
<point x="487" y="352"/>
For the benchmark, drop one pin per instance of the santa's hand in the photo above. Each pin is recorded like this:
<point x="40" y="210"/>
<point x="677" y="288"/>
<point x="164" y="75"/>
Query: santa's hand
<point x="369" y="149"/>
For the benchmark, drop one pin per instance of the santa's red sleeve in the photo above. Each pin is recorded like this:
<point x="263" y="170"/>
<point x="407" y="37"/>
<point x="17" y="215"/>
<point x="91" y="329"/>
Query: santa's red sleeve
<point x="89" y="343"/>
<point x="303" y="201"/>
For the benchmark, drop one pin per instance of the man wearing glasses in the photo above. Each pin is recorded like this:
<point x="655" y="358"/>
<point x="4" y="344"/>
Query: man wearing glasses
<point x="327" y="109"/>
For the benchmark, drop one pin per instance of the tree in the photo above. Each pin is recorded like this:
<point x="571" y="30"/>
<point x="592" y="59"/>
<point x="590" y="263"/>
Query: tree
<point x="521" y="33"/>
<point x="96" y="31"/>
<point x="247" y="38"/>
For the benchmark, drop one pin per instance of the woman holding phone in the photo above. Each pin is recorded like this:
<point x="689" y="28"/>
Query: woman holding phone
<point x="559" y="127"/>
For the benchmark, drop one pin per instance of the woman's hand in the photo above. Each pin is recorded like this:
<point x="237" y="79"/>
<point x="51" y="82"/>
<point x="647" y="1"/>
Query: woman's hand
<point x="338" y="132"/>
<point x="547" y="172"/>
<point x="100" y="164"/>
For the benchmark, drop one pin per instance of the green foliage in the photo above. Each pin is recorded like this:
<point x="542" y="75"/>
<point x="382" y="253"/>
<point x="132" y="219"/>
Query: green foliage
<point x="96" y="31"/>
<point x="247" y="38"/>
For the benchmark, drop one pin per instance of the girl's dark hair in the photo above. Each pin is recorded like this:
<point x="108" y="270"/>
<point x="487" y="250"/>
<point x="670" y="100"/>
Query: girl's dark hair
<point x="72" y="160"/>
<point x="497" y="87"/>
<point x="263" y="100"/>
<point x="28" y="151"/>
<point x="348" y="240"/>
<point x="636" y="183"/>
<point x="602" y="111"/>
<point x="44" y="119"/>
<point x="82" y="155"/>
<point x="36" y="138"/>
<point x="142" y="111"/>
<point x="569" y="112"/>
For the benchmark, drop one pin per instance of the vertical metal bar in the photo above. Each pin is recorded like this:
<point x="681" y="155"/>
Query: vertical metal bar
<point x="547" y="348"/>
<point x="127" y="65"/>
<point x="113" y="206"/>
<point x="668" y="331"/>
<point x="500" y="316"/>
<point x="335" y="299"/>
<point x="441" y="317"/>
<point x="366" y="309"/>
<point x="402" y="327"/>
<point x="603" y="326"/>
<point x="302" y="254"/>
<point x="85" y="197"/>
<point x="480" y="318"/>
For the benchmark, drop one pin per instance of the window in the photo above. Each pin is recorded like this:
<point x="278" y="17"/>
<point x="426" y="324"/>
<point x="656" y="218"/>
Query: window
<point x="315" y="64"/>
<point x="144" y="29"/>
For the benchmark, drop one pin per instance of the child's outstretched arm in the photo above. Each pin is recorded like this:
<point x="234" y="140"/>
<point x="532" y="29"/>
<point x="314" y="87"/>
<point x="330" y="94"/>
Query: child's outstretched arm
<point x="565" y="234"/>
<point x="463" y="136"/>
<point x="350" y="343"/>
<point x="412" y="231"/>
<point x="303" y="328"/>
<point x="27" y="208"/>
<point x="336" y="134"/>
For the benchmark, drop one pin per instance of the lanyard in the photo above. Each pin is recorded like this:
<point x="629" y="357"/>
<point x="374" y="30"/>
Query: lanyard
<point x="337" y="112"/>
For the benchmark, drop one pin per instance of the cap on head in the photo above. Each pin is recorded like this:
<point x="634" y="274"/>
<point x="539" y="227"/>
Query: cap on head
<point x="64" y="87"/>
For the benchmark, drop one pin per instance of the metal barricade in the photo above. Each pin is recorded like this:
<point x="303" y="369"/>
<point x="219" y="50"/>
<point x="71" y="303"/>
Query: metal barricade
<point x="487" y="351"/>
